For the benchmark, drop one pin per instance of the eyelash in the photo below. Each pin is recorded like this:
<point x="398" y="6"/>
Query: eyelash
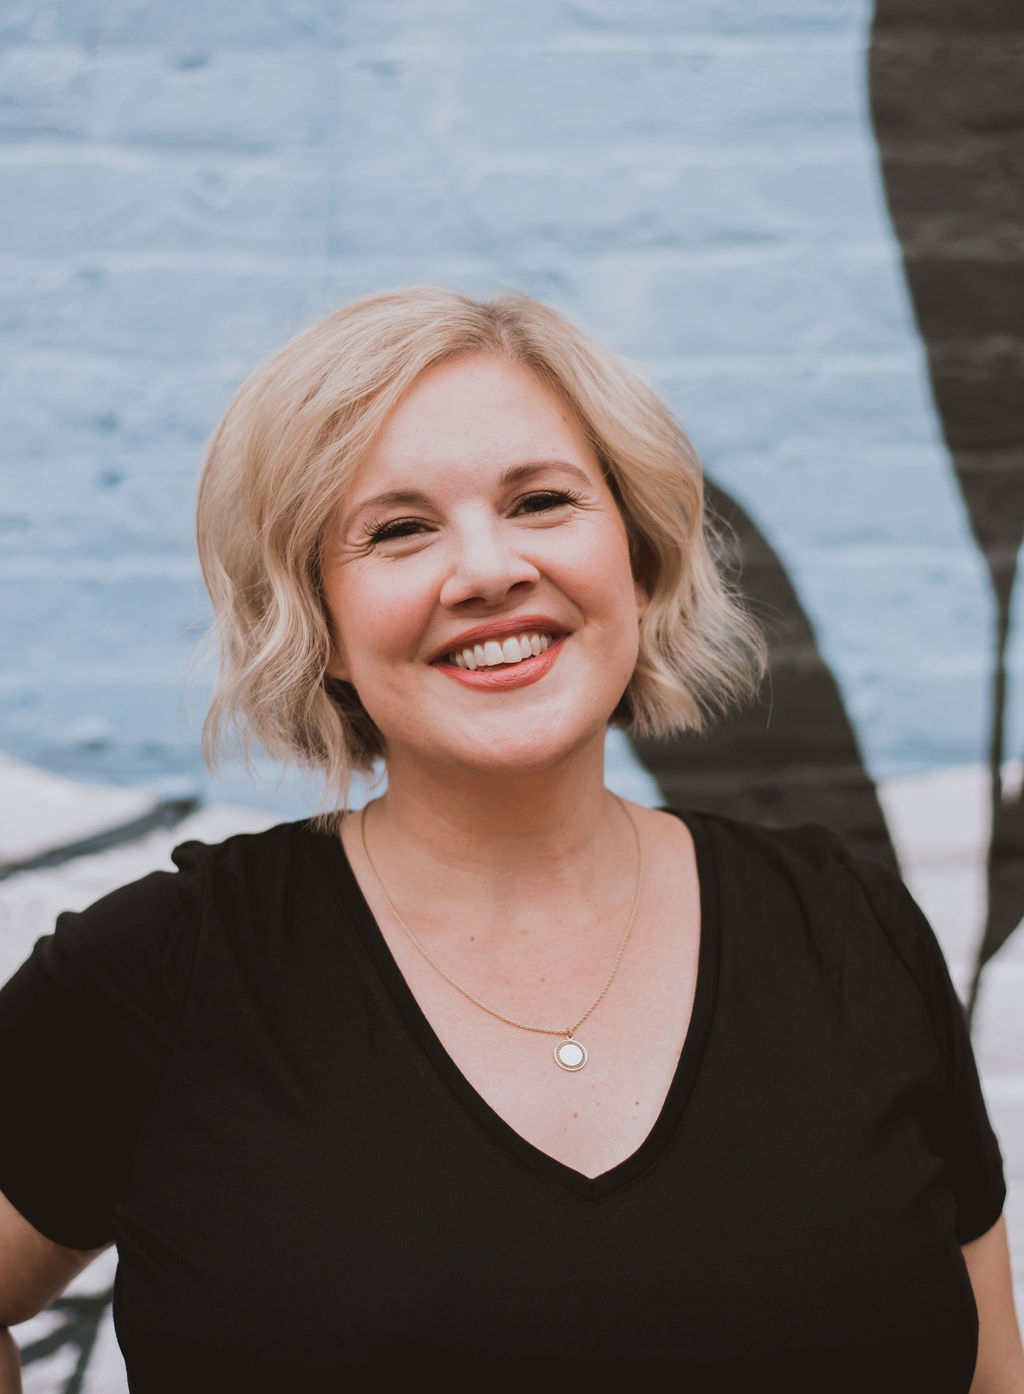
<point x="387" y="532"/>
<point x="392" y="529"/>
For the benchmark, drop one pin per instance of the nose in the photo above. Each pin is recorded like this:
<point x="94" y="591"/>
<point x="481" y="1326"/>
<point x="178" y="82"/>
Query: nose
<point x="486" y="564"/>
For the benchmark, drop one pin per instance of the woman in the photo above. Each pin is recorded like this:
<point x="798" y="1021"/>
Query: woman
<point x="500" y="1074"/>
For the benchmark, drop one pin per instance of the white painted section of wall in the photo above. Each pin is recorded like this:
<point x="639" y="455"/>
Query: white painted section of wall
<point x="39" y="810"/>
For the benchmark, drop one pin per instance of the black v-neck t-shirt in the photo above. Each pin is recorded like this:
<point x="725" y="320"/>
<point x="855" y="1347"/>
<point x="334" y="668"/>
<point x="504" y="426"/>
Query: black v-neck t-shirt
<point x="222" y="1070"/>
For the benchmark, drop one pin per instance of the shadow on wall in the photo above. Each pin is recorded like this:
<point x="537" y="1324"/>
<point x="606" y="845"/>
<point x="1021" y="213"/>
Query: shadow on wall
<point x="948" y="111"/>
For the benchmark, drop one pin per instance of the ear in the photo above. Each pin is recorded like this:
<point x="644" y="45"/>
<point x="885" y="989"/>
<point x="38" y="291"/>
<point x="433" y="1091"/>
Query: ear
<point x="336" y="665"/>
<point x="642" y="600"/>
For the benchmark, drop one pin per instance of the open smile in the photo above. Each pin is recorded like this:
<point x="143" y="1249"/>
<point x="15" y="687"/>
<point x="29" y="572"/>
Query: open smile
<point x="502" y="655"/>
<point x="495" y="654"/>
<point x="502" y="676"/>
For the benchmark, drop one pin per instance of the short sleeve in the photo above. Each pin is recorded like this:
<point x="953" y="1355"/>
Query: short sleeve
<point x="970" y="1150"/>
<point x="87" y="1025"/>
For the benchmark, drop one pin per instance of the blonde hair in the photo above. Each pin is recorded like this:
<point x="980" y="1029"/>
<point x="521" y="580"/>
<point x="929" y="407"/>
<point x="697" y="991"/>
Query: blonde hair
<point x="290" y="442"/>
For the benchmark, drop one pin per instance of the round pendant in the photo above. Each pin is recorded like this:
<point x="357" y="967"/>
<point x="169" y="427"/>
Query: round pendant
<point x="570" y="1054"/>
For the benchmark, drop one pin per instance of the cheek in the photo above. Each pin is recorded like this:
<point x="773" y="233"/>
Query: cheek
<point x="374" y="617"/>
<point x="604" y="571"/>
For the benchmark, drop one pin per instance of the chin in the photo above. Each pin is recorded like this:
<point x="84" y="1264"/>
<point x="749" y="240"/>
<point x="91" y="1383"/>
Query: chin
<point x="533" y="751"/>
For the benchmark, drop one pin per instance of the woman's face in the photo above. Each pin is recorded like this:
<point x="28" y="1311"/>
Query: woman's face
<point x="478" y="580"/>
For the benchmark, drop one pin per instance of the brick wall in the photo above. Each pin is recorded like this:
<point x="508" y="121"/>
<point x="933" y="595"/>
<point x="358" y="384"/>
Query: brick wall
<point x="184" y="186"/>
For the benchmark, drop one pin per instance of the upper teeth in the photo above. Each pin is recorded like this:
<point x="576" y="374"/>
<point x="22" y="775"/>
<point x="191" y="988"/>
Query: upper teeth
<point x="511" y="650"/>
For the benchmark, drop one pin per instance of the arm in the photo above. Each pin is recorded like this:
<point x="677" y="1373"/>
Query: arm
<point x="1000" y="1367"/>
<point x="10" y="1370"/>
<point x="33" y="1271"/>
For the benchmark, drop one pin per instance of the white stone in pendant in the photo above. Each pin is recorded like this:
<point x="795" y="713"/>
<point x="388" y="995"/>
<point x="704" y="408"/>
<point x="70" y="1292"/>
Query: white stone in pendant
<point x="570" y="1054"/>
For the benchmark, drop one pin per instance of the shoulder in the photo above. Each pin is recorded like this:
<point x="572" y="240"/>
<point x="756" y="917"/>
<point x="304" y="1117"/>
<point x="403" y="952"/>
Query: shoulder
<point x="151" y="926"/>
<point x="807" y="878"/>
<point x="123" y="968"/>
<point x="809" y="856"/>
<point x="255" y="877"/>
<point x="808" y="846"/>
<point x="259" y="856"/>
<point x="807" y="859"/>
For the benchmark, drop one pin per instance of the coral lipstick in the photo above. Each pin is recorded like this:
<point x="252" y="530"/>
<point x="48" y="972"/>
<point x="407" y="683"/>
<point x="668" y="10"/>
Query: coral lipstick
<point x="522" y="674"/>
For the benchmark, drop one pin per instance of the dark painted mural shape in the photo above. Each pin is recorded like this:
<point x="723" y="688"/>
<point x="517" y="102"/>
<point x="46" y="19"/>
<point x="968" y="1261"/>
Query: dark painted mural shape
<point x="947" y="100"/>
<point x="792" y="757"/>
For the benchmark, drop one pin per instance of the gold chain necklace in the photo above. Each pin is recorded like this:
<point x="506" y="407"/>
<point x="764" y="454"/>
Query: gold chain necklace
<point x="570" y="1054"/>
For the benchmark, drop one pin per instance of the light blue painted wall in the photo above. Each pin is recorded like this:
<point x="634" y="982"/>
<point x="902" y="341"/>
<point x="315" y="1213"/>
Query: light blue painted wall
<point x="185" y="185"/>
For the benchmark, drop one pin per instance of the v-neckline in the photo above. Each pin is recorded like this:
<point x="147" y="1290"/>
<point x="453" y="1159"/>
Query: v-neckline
<point x="684" y="1080"/>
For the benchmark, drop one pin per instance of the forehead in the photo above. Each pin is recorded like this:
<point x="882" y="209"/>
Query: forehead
<point x="480" y="409"/>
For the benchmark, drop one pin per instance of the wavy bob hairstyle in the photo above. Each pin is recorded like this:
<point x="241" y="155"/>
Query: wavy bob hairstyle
<point x="282" y="458"/>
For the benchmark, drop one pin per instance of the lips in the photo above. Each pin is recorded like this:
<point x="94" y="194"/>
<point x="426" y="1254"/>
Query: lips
<point x="506" y="676"/>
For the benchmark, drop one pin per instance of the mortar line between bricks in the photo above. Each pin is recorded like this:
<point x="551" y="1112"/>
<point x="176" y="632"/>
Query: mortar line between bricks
<point x="840" y="39"/>
<point x="31" y="153"/>
<point x="785" y="252"/>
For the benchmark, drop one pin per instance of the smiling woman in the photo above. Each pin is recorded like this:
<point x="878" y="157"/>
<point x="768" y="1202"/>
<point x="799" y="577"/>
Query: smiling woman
<point x="501" y="1074"/>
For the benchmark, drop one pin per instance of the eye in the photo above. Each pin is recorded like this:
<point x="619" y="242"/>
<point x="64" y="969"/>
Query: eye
<point x="393" y="529"/>
<point x="544" y="500"/>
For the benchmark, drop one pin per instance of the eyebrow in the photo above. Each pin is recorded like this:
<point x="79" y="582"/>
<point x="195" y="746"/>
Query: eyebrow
<point x="515" y="474"/>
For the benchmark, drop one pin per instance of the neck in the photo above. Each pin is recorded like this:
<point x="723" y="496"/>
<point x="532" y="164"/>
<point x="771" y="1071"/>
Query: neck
<point x="527" y="833"/>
